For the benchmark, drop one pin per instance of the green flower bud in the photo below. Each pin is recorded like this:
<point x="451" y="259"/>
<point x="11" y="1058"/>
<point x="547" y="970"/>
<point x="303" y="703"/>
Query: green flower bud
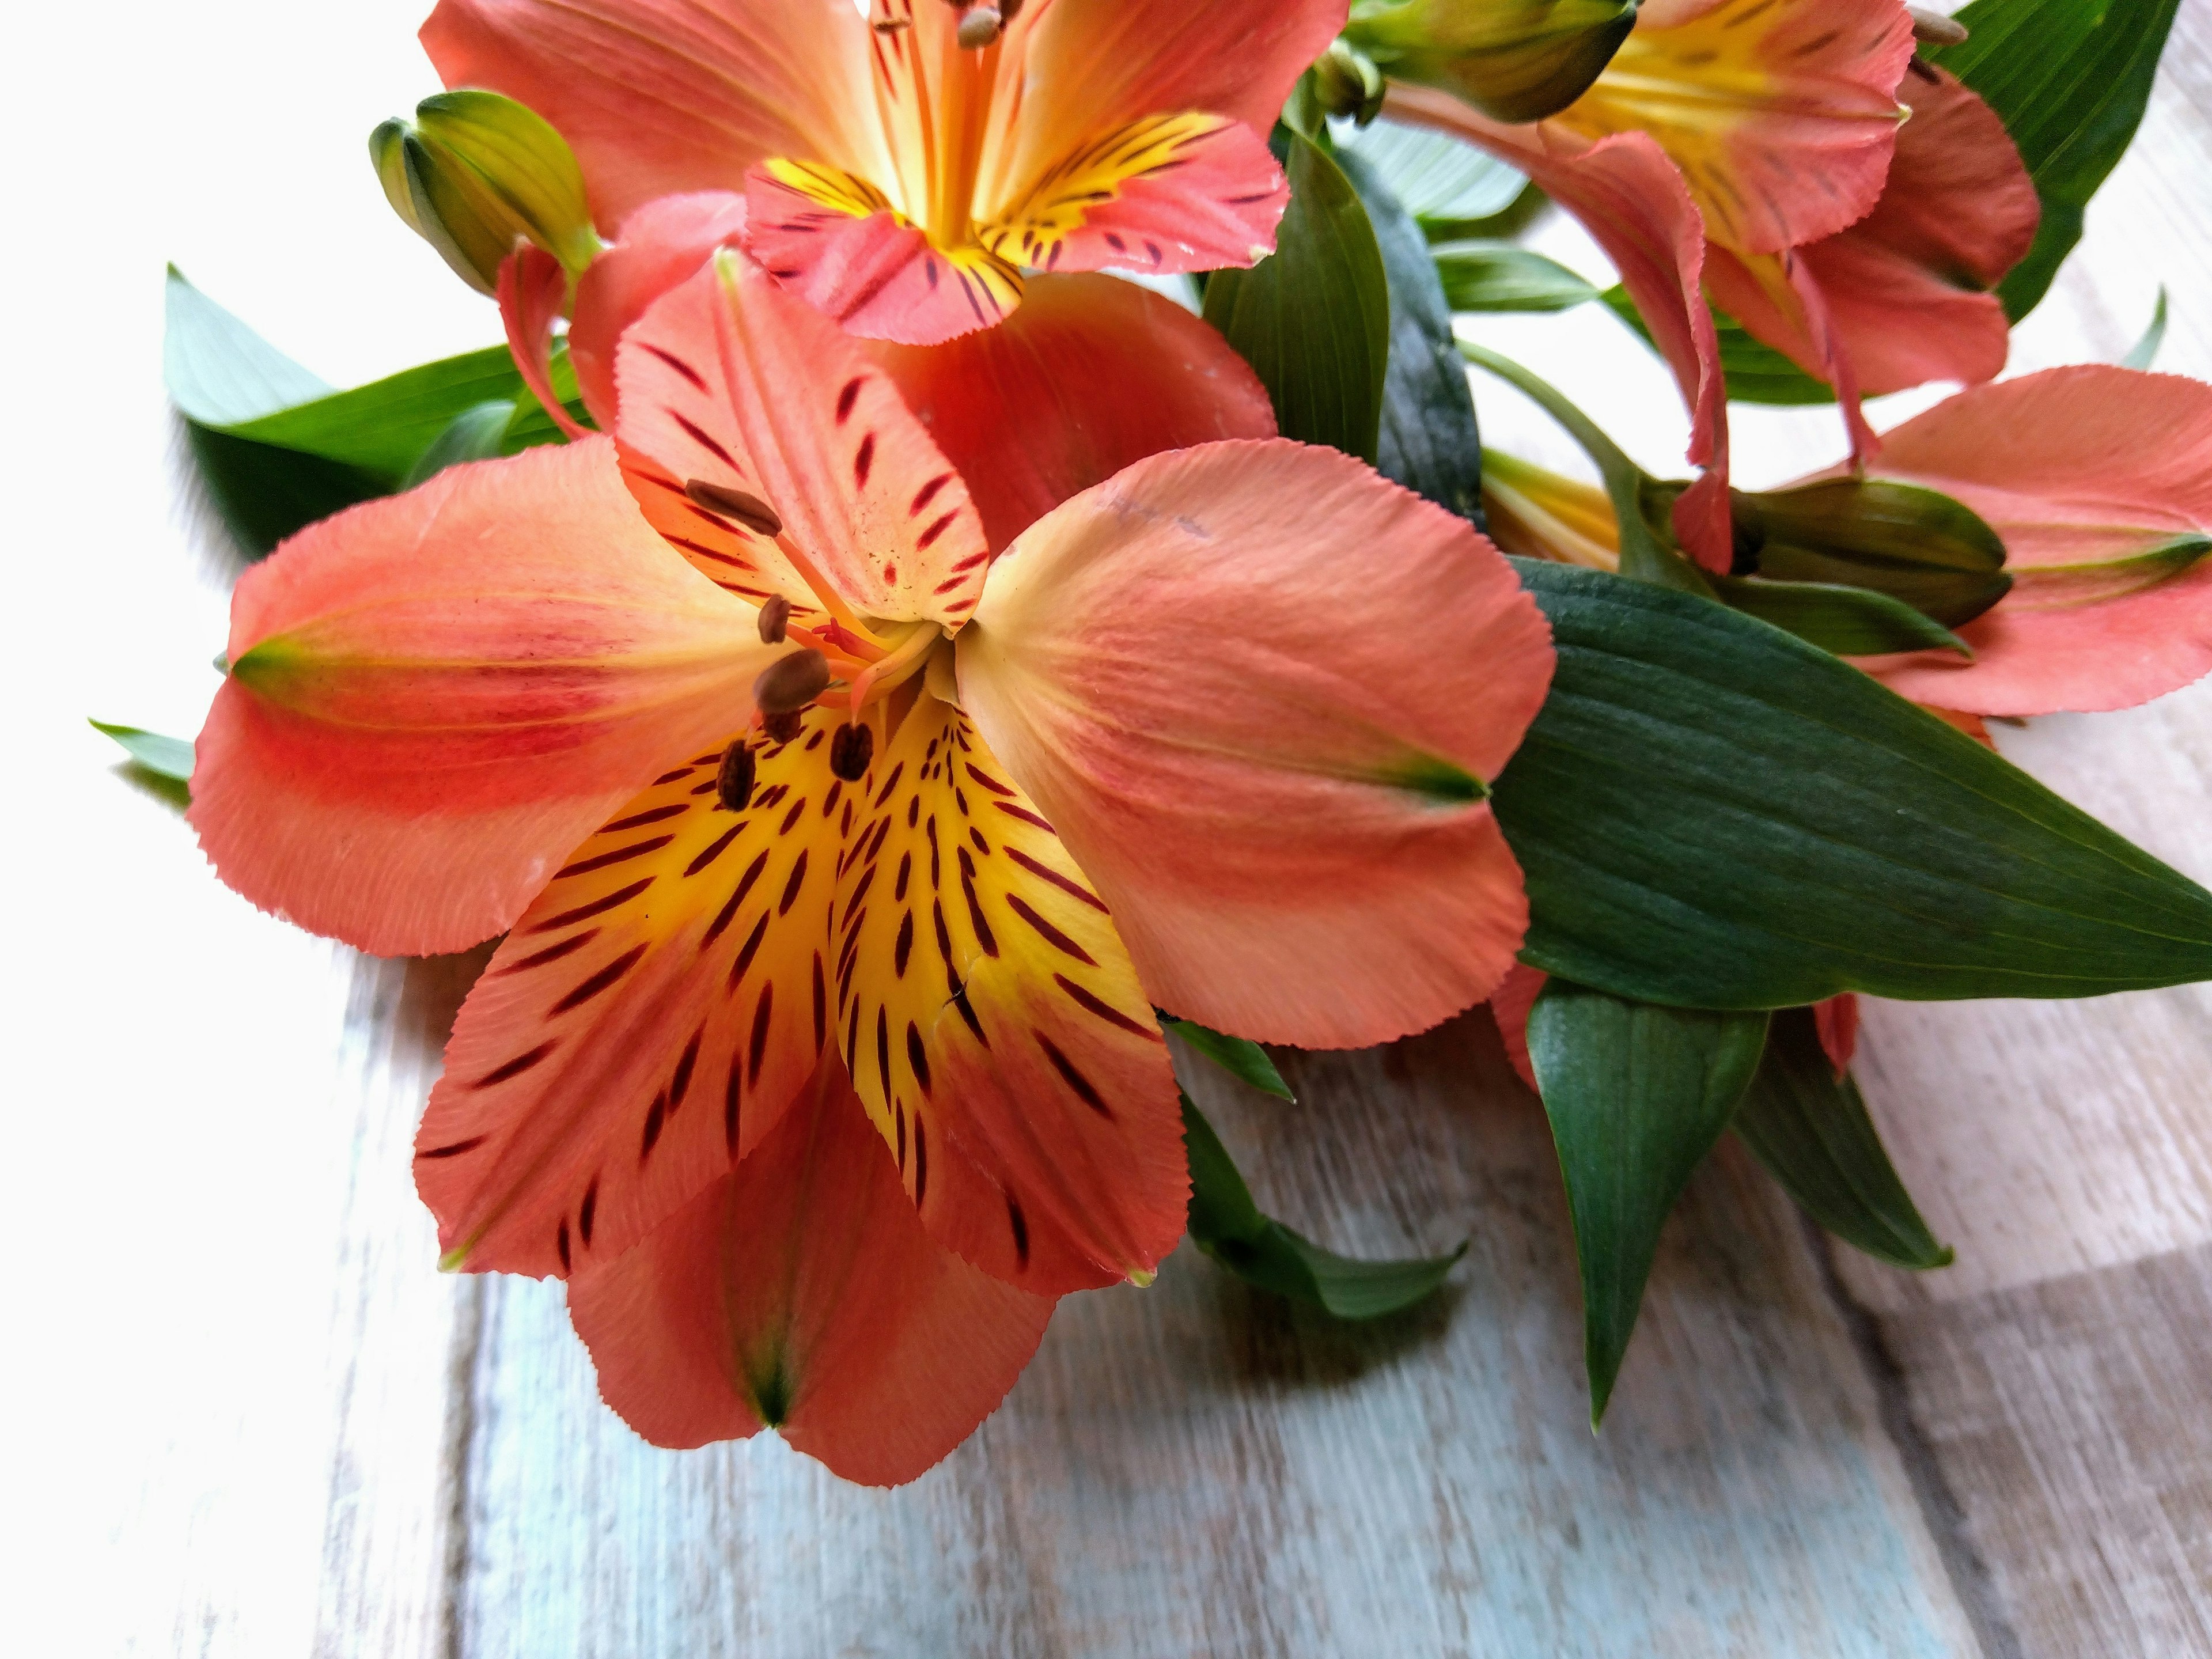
<point x="1516" y="60"/>
<point x="1346" y="84"/>
<point x="473" y="172"/>
<point x="1917" y="545"/>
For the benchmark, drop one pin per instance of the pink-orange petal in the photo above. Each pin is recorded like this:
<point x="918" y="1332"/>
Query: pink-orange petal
<point x="662" y="244"/>
<point x="2099" y="479"/>
<point x="1836" y="1021"/>
<point x="730" y="380"/>
<point x="1090" y="374"/>
<point x="435" y="696"/>
<point x="663" y="97"/>
<point x="1260" y="692"/>
<point x="1510" y="1005"/>
<point x="648" y="1019"/>
<point x="533" y="289"/>
<point x="801" y="1291"/>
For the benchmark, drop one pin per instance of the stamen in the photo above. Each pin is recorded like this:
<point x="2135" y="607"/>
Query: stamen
<point x="1009" y="11"/>
<point x="978" y="29"/>
<point x="1932" y="28"/>
<point x="783" y="728"/>
<point x="751" y="511"/>
<point x="733" y="784"/>
<point x="789" y="683"/>
<point x="775" y="619"/>
<point x="851" y="749"/>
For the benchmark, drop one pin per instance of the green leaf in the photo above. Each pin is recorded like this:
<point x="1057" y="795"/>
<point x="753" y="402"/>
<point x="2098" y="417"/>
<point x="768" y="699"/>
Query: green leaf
<point x="1810" y="1128"/>
<point x="1228" y="1226"/>
<point x="1427" y="440"/>
<point x="1915" y="544"/>
<point x="2145" y="352"/>
<point x="220" y="372"/>
<point x="1849" y="622"/>
<point x="265" y="494"/>
<point x="1443" y="181"/>
<point x="165" y="764"/>
<point x="474" y="434"/>
<point x="1710" y="814"/>
<point x="1637" y="1096"/>
<point x="1313" y="317"/>
<point x="383" y="428"/>
<point x="1488" y="275"/>
<point x="1755" y="373"/>
<point x="2069" y="79"/>
<point x="1238" y="1056"/>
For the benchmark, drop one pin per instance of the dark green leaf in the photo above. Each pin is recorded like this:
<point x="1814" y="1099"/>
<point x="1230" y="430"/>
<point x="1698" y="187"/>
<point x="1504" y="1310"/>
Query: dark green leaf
<point x="1710" y="814"/>
<point x="1228" y="1226"/>
<point x="1755" y="373"/>
<point x="1637" y="1096"/>
<point x="1487" y="276"/>
<point x="1441" y="180"/>
<point x="265" y="494"/>
<point x="474" y="434"/>
<point x="1849" y="622"/>
<point x="1810" y="1128"/>
<point x="1917" y="545"/>
<point x="2069" y="79"/>
<point x="2145" y="352"/>
<point x="1238" y="1056"/>
<point x="1313" y="317"/>
<point x="383" y="428"/>
<point x="1427" y="440"/>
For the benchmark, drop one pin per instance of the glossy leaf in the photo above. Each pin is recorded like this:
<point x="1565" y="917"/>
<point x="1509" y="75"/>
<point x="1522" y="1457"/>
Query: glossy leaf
<point x="220" y="372"/>
<point x="1229" y="1226"/>
<point x="1427" y="440"/>
<point x="1755" y="372"/>
<point x="1810" y="1128"/>
<point x="1240" y="1057"/>
<point x="2069" y="79"/>
<point x="2145" y="352"/>
<point x="1915" y="545"/>
<point x="1489" y="276"/>
<point x="474" y="434"/>
<point x="1637" y="1096"/>
<point x="1710" y="814"/>
<point x="1445" y="182"/>
<point x="1848" y="622"/>
<point x="166" y="764"/>
<point x="1313" y="317"/>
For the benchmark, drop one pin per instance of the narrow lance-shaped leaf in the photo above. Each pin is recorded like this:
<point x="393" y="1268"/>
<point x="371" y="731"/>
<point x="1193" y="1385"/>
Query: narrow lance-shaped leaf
<point x="1755" y="373"/>
<point x="1637" y="1096"/>
<point x="1242" y="1058"/>
<point x="164" y="763"/>
<point x="1710" y="814"/>
<point x="2145" y="352"/>
<point x="1489" y="275"/>
<point x="1428" y="439"/>
<point x="474" y="434"/>
<point x="1848" y="622"/>
<point x="1810" y="1128"/>
<point x="1313" y="317"/>
<point x="2069" y="79"/>
<point x="1448" y="186"/>
<point x="1229" y="1226"/>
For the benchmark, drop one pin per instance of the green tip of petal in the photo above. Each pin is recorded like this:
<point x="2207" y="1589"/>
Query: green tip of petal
<point x="453" y="1259"/>
<point x="1439" y="779"/>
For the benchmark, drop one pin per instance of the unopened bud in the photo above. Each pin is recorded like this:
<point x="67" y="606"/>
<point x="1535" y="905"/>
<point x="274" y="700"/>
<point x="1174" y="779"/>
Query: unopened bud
<point x="1917" y="546"/>
<point x="733" y="784"/>
<point x="1345" y="84"/>
<point x="1932" y="28"/>
<point x="851" y="749"/>
<point x="783" y="728"/>
<point x="751" y="511"/>
<point x="1516" y="60"/>
<point x="792" y="682"/>
<point x="775" y="619"/>
<point x="474" y="173"/>
<point x="978" y="28"/>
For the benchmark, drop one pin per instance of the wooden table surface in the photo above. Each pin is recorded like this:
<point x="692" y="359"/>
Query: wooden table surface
<point x="249" y="1418"/>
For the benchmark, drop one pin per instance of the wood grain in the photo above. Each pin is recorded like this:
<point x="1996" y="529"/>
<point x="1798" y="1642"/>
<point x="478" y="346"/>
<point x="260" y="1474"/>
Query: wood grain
<point x="252" y="1418"/>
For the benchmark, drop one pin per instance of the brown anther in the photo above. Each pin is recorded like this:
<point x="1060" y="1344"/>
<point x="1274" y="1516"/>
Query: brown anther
<point x="851" y="749"/>
<point x="782" y="728"/>
<point x="890" y="25"/>
<point x="775" y="619"/>
<point x="1009" y="11"/>
<point x="790" y="682"/>
<point x="733" y="784"/>
<point x="751" y="511"/>
<point x="1932" y="28"/>
<point x="978" y="28"/>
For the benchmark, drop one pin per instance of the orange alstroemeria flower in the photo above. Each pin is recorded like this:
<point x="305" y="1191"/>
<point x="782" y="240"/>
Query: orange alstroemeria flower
<point x="842" y="864"/>
<point x="900" y="179"/>
<point x="2099" y="480"/>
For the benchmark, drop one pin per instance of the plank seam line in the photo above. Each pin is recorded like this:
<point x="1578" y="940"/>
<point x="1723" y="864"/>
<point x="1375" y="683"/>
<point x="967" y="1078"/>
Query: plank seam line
<point x="456" y="1455"/>
<point x="1945" y="1516"/>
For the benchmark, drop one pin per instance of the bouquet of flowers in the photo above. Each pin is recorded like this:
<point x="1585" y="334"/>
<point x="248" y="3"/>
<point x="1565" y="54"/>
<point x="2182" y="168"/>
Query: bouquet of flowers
<point x="974" y="582"/>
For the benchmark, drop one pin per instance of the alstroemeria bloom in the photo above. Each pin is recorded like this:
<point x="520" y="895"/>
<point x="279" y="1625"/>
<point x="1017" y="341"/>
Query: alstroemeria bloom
<point x="764" y="764"/>
<point x="2099" y="480"/>
<point x="900" y="179"/>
